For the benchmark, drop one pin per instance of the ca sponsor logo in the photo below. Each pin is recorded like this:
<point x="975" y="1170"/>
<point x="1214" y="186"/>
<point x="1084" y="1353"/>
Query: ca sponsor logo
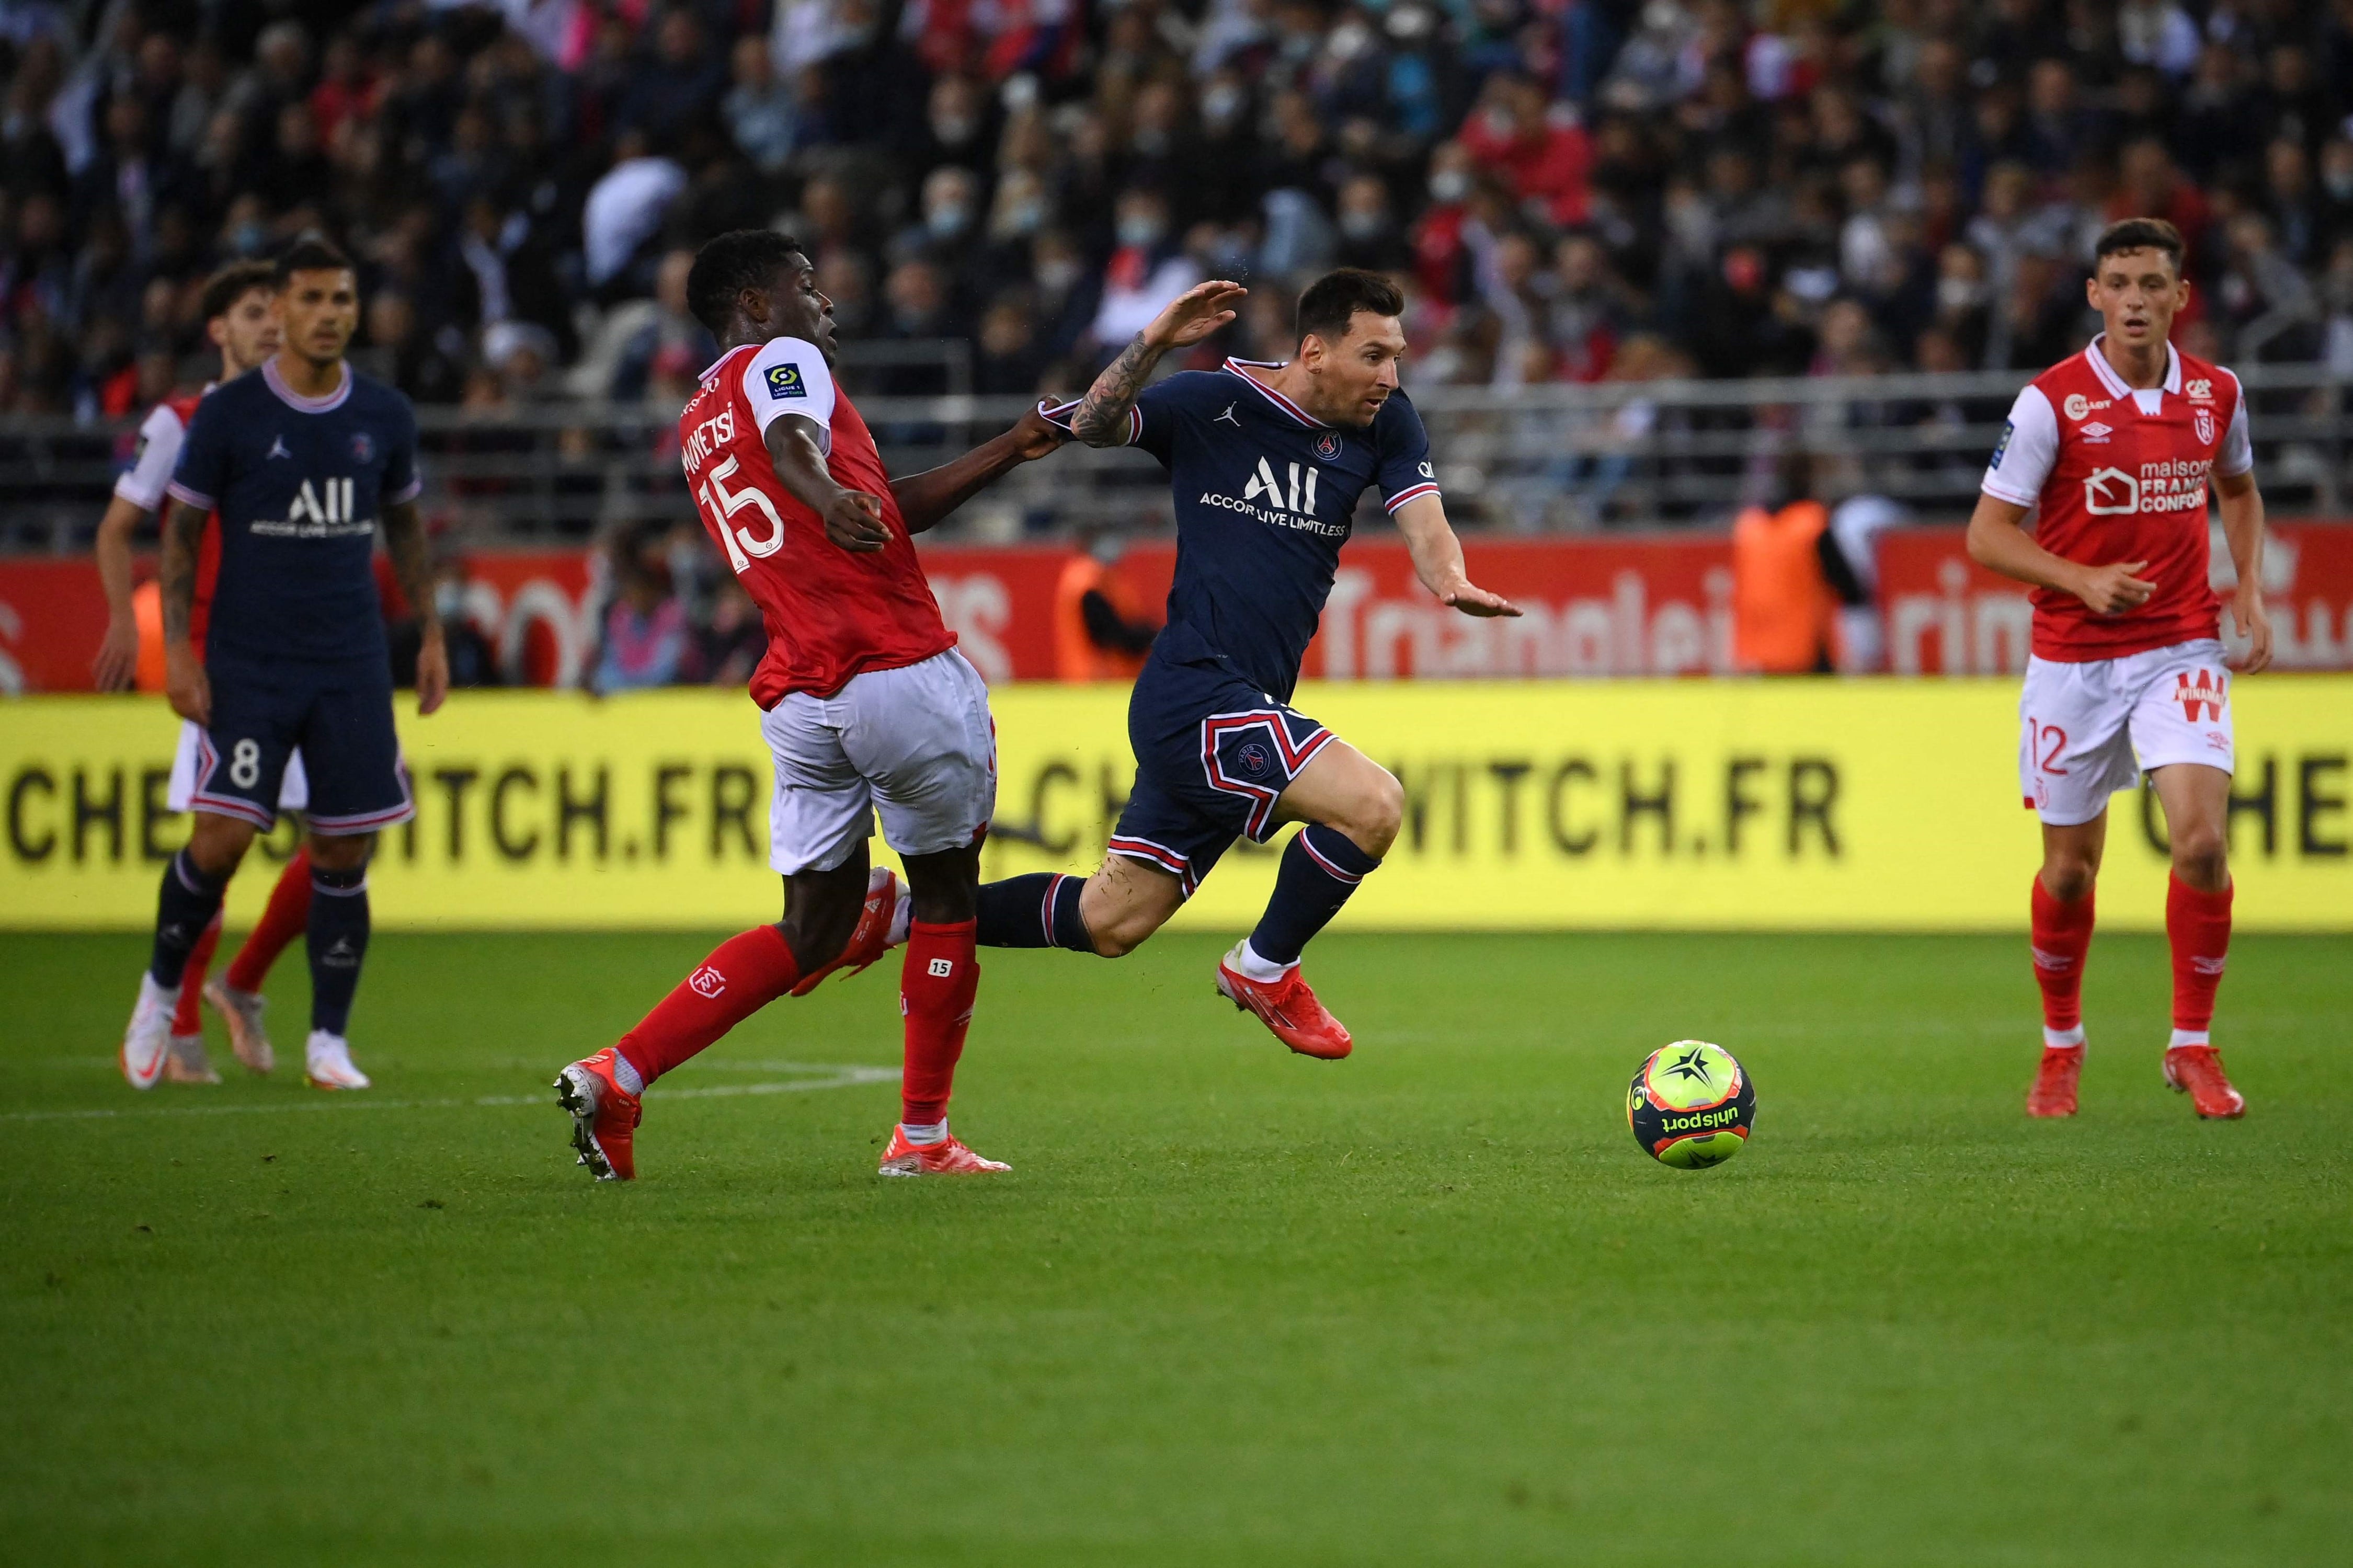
<point x="2111" y="492"/>
<point x="2200" y="391"/>
<point x="707" y="981"/>
<point x="2077" y="405"/>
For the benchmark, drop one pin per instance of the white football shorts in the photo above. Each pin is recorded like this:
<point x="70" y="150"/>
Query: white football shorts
<point x="914" y="744"/>
<point x="2086" y="730"/>
<point x="293" y="787"/>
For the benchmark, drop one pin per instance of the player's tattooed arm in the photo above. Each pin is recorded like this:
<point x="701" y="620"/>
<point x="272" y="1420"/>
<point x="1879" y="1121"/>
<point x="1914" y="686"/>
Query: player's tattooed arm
<point x="1438" y="559"/>
<point x="412" y="565"/>
<point x="927" y="498"/>
<point x="1101" y="418"/>
<point x="185" y="682"/>
<point x="853" y="519"/>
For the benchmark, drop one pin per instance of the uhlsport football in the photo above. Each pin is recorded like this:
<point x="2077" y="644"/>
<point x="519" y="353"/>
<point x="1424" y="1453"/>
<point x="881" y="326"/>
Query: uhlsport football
<point x="1691" y="1105"/>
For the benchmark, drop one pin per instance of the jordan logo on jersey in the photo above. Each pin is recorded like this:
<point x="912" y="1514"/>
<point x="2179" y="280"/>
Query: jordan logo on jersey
<point x="2200" y="697"/>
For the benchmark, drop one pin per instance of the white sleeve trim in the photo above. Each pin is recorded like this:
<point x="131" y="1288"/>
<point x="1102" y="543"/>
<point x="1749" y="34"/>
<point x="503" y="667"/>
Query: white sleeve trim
<point x="160" y="436"/>
<point x="2236" y="456"/>
<point x="790" y="375"/>
<point x="2029" y="450"/>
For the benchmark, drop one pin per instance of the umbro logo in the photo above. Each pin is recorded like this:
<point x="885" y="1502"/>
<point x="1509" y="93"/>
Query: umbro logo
<point x="1227" y="417"/>
<point x="277" y="449"/>
<point x="2096" y="432"/>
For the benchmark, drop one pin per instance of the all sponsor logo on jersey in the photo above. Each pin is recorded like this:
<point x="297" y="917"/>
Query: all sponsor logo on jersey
<point x="2204" y="419"/>
<point x="785" y="381"/>
<point x="323" y="511"/>
<point x="1269" y="499"/>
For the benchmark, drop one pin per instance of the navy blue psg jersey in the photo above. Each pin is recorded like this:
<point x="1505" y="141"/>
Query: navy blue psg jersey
<point x="300" y="483"/>
<point x="1265" y="495"/>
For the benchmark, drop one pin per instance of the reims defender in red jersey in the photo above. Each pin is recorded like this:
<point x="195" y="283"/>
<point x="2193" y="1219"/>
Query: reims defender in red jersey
<point x="2114" y="449"/>
<point x="865" y="704"/>
<point x="239" y="322"/>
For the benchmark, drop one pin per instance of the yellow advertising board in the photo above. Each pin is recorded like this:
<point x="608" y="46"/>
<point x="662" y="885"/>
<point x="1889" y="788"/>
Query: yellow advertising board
<point x="1809" y="805"/>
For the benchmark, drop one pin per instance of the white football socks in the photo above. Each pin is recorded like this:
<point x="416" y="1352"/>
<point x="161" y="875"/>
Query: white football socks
<point x="1250" y="966"/>
<point x="626" y="1075"/>
<point x="2063" y="1040"/>
<point x="925" y="1132"/>
<point x="2189" y="1037"/>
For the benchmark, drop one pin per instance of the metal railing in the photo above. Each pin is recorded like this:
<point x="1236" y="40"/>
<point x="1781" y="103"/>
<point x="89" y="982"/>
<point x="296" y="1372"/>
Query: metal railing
<point x="1527" y="459"/>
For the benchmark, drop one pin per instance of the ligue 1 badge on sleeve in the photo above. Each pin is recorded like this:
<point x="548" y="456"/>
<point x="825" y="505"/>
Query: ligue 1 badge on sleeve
<point x="785" y="381"/>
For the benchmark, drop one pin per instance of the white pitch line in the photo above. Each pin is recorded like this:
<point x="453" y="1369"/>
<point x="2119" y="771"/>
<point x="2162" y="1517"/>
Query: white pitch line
<point x="839" y="1077"/>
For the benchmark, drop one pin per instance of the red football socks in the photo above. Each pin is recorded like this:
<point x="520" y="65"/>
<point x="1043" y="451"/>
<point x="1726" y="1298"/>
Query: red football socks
<point x="2198" y="928"/>
<point x="742" y="975"/>
<point x="190" y="1018"/>
<point x="2062" y="934"/>
<point x="287" y="916"/>
<point x="937" y="987"/>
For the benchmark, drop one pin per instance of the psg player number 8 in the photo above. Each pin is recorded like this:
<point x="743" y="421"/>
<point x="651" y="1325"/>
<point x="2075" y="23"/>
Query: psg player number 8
<point x="720" y="504"/>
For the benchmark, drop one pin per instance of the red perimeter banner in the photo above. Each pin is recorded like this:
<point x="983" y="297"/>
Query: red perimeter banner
<point x="1640" y="607"/>
<point x="1945" y="615"/>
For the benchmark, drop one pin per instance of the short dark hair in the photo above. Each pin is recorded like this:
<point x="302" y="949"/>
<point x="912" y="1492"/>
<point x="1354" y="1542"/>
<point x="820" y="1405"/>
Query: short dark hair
<point x="225" y="287"/>
<point x="309" y="255"/>
<point x="740" y="259"/>
<point x="2140" y="233"/>
<point x="1332" y="301"/>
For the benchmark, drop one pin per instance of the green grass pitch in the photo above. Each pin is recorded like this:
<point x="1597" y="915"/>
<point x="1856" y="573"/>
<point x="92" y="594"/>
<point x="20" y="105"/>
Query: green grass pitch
<point x="1427" y="1306"/>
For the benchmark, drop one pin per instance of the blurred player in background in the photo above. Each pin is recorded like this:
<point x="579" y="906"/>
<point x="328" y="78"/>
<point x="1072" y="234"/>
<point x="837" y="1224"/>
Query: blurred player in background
<point x="239" y="321"/>
<point x="301" y="460"/>
<point x="2115" y="448"/>
<point x="1267" y="462"/>
<point x="865" y="704"/>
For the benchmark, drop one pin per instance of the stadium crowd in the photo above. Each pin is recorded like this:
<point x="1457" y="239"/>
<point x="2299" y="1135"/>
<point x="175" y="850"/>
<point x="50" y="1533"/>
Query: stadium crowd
<point x="1578" y="189"/>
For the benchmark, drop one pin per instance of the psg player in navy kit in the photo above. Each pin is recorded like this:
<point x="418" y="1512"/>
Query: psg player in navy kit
<point x="302" y="458"/>
<point x="1267" y="462"/>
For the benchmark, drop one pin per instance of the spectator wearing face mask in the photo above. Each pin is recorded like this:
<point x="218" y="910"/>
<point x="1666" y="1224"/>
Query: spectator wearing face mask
<point x="1368" y="231"/>
<point x="1144" y="274"/>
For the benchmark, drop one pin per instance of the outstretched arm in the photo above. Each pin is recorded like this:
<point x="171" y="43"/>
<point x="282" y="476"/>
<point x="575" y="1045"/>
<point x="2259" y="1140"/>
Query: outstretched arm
<point x="1100" y="418"/>
<point x="185" y="684"/>
<point x="853" y="520"/>
<point x="926" y="499"/>
<point x="1438" y="559"/>
<point x="404" y="540"/>
<point x="1998" y="541"/>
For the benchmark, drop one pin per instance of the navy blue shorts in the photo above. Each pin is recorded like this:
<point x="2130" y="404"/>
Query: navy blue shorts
<point x="341" y="716"/>
<point x="1213" y="753"/>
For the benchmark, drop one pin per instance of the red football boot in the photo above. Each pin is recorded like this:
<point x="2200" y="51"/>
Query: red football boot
<point x="605" y="1117"/>
<point x="2054" y="1093"/>
<point x="948" y="1157"/>
<point x="2197" y="1071"/>
<point x="1288" y="1007"/>
<point x="871" y="940"/>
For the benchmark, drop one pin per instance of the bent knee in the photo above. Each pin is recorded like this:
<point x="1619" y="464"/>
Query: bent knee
<point x="1373" y="820"/>
<point x="2070" y="878"/>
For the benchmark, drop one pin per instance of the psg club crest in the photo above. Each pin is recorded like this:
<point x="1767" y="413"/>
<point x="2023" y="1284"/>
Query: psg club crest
<point x="2204" y="419"/>
<point x="1253" y="758"/>
<point x="1327" y="446"/>
<point x="362" y="448"/>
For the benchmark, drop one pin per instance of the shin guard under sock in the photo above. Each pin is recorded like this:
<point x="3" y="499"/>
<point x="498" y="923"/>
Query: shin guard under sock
<point x="1321" y="867"/>
<point x="337" y="937"/>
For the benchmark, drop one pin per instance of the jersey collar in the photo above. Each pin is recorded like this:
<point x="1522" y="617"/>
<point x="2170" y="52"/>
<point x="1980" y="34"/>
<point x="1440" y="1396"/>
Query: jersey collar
<point x="295" y="400"/>
<point x="1242" y="367"/>
<point x="2115" y="384"/>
